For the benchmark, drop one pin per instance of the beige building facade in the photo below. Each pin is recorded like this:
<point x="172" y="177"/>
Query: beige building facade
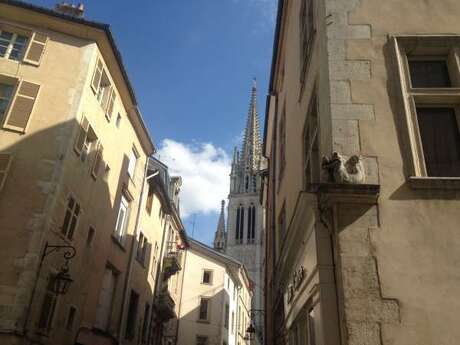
<point x="216" y="299"/>
<point x="363" y="143"/>
<point x="77" y="204"/>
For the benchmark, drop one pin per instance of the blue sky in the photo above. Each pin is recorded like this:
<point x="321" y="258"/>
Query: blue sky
<point x="191" y="63"/>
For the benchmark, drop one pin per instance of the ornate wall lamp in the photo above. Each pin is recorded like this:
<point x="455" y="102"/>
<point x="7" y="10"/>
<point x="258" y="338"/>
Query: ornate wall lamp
<point x="62" y="279"/>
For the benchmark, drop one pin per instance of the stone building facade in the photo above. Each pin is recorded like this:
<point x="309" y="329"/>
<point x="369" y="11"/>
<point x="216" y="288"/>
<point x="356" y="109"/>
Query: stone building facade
<point x="244" y="237"/>
<point x="71" y="189"/>
<point x="216" y="306"/>
<point x="362" y="140"/>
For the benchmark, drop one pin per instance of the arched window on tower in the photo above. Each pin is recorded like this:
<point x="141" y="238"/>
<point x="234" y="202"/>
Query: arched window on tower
<point x="246" y="183"/>
<point x="239" y="224"/>
<point x="254" y="183"/>
<point x="251" y="223"/>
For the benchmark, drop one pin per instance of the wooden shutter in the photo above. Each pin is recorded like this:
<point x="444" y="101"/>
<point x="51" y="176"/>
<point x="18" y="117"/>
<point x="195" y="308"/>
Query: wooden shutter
<point x="23" y="104"/>
<point x="148" y="254"/>
<point x="36" y="48"/>
<point x="97" y="76"/>
<point x="97" y="161"/>
<point x="82" y="134"/>
<point x="111" y="103"/>
<point x="5" y="163"/>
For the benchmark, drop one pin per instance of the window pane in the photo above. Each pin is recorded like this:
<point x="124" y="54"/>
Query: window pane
<point x="441" y="141"/>
<point x="6" y="92"/>
<point x="429" y="73"/>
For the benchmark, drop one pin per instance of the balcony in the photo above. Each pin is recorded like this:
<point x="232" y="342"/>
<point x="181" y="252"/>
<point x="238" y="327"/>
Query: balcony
<point x="171" y="261"/>
<point x="165" y="306"/>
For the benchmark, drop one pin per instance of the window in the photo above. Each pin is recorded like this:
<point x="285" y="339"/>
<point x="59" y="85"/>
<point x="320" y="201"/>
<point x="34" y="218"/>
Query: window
<point x="149" y="203"/>
<point x="6" y="95"/>
<point x="103" y="89"/>
<point x="106" y="294"/>
<point x="233" y="323"/>
<point x="154" y="261"/>
<point x="132" y="315"/>
<point x="71" y="218"/>
<point x="207" y="277"/>
<point x="311" y="327"/>
<point x="98" y="161"/>
<point x="146" y="323"/>
<point x="282" y="146"/>
<point x="239" y="224"/>
<point x="226" y="315"/>
<point x="132" y="163"/>
<point x="48" y="306"/>
<point x="201" y="340"/>
<point x="429" y="73"/>
<point x="142" y="249"/>
<point x="118" y="120"/>
<point x="234" y="291"/>
<point x="71" y="318"/>
<point x="5" y="164"/>
<point x="439" y="131"/>
<point x="311" y="152"/>
<point x="282" y="223"/>
<point x="12" y="45"/>
<point x="251" y="223"/>
<point x="203" y="311"/>
<point x="307" y="31"/>
<point x="90" y="236"/>
<point x="122" y="219"/>
<point x="430" y="82"/>
<point x="86" y="143"/>
<point x="19" y="113"/>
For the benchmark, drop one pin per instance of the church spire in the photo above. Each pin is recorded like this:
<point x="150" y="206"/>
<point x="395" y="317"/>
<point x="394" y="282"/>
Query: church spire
<point x="219" y="237"/>
<point x="251" y="151"/>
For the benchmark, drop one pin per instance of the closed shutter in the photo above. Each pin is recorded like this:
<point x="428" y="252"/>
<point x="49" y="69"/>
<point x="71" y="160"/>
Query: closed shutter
<point x="109" y="110"/>
<point x="97" y="161"/>
<point x="82" y="134"/>
<point x="22" y="107"/>
<point x="97" y="76"/>
<point x="148" y="254"/>
<point x="5" y="163"/>
<point x="36" y="48"/>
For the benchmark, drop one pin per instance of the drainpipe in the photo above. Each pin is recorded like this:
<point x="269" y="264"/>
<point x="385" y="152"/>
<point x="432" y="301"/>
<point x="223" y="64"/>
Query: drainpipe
<point x="180" y="298"/>
<point x="158" y="275"/>
<point x="133" y="250"/>
<point x="273" y="218"/>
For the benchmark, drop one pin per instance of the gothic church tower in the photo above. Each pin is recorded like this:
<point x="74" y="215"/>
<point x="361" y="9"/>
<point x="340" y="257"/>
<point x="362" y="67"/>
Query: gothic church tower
<point x="244" y="238"/>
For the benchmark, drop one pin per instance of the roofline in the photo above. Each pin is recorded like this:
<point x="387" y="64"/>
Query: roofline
<point x="272" y="69"/>
<point x="97" y="25"/>
<point x="215" y="252"/>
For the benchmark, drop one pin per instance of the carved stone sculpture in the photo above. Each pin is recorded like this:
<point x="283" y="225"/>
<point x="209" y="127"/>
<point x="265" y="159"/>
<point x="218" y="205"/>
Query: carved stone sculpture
<point x="343" y="170"/>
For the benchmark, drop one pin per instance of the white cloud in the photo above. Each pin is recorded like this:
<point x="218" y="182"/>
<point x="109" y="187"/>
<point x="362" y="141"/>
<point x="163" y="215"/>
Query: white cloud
<point x="204" y="169"/>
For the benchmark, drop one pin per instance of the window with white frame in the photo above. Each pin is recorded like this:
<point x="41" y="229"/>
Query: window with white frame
<point x="133" y="156"/>
<point x="103" y="89"/>
<point x="122" y="219"/>
<point x="12" y="45"/>
<point x="430" y="83"/>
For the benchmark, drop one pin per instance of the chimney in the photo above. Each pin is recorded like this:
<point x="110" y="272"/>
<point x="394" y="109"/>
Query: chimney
<point x="70" y="9"/>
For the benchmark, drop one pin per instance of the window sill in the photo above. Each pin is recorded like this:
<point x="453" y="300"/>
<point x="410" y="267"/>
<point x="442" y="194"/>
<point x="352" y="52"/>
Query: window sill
<point x="203" y="321"/>
<point x="117" y="241"/>
<point x="425" y="182"/>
